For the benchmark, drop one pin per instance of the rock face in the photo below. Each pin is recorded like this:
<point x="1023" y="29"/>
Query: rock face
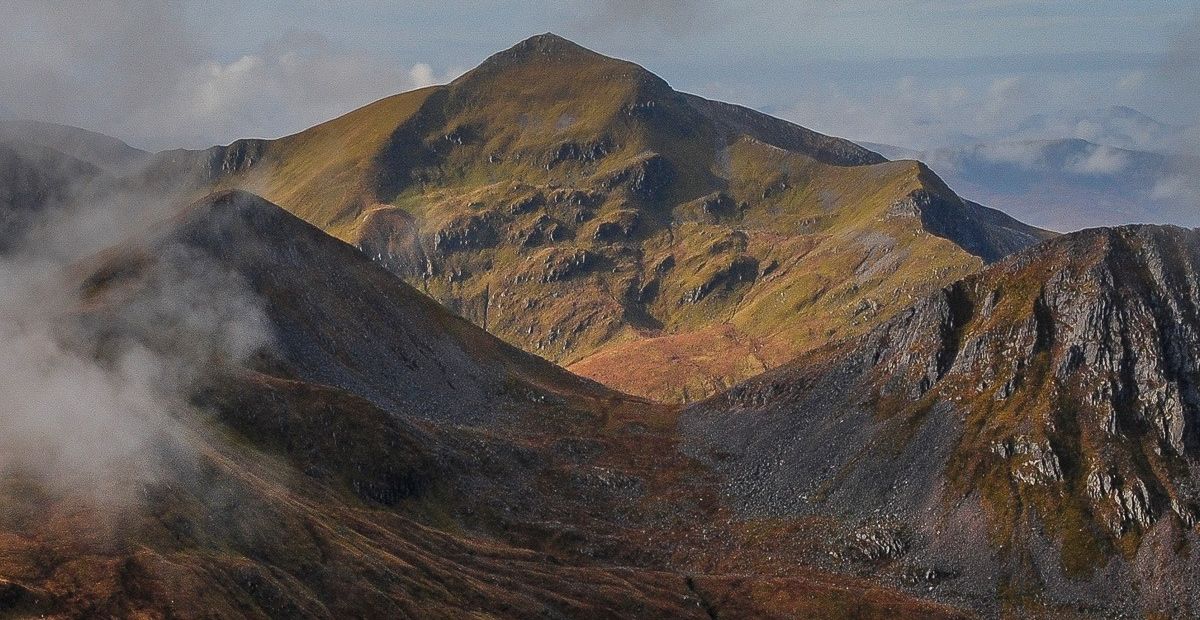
<point x="459" y="188"/>
<point x="1045" y="409"/>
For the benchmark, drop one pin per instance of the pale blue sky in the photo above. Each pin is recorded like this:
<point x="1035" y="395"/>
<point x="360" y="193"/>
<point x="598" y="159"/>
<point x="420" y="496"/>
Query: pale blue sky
<point x="889" y="70"/>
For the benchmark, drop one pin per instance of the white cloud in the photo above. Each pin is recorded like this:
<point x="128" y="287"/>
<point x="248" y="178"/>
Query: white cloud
<point x="92" y="397"/>
<point x="1132" y="81"/>
<point x="1029" y="155"/>
<point x="421" y="75"/>
<point x="1003" y="96"/>
<point x="293" y="82"/>
<point x="1099" y="160"/>
<point x="157" y="83"/>
<point x="920" y="115"/>
<point x="1183" y="188"/>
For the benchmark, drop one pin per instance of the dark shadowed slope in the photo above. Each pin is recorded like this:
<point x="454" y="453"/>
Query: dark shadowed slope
<point x="375" y="456"/>
<point x="346" y="322"/>
<point x="580" y="208"/>
<point x="1024" y="439"/>
<point x="34" y="179"/>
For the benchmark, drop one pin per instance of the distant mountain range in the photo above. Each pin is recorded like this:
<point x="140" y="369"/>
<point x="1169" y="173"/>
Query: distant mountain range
<point x="1117" y="126"/>
<point x="1068" y="184"/>
<point x="1073" y="170"/>
<point x="97" y="149"/>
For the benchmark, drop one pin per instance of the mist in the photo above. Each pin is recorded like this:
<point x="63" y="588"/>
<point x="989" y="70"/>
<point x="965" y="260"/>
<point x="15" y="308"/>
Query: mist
<point x="1179" y="80"/>
<point x="95" y="384"/>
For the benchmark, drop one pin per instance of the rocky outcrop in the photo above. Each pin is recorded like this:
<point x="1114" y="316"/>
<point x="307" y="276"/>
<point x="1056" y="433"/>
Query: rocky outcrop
<point x="739" y="270"/>
<point x="544" y="229"/>
<point x="1096" y="337"/>
<point x="1054" y="393"/>
<point x="558" y="264"/>
<point x="1033" y="461"/>
<point x="874" y="543"/>
<point x="617" y="226"/>
<point x="648" y="179"/>
<point x="587" y="152"/>
<point x="714" y="208"/>
<point x="237" y="157"/>
<point x="474" y="231"/>
<point x="986" y="233"/>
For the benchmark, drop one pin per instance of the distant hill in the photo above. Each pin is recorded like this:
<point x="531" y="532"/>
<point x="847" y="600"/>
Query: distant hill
<point x="36" y="179"/>
<point x="104" y="152"/>
<point x="579" y="208"/>
<point x="1117" y="126"/>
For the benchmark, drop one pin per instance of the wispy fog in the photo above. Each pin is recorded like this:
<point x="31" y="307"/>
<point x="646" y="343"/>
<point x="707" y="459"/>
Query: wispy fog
<point x="93" y="385"/>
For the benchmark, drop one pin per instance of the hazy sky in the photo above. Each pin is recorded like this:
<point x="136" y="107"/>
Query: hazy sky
<point x="913" y="72"/>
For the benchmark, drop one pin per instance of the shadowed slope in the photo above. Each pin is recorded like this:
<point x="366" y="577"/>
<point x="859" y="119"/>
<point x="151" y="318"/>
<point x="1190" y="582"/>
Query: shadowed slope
<point x="33" y="180"/>
<point x="345" y="322"/>
<point x="347" y="469"/>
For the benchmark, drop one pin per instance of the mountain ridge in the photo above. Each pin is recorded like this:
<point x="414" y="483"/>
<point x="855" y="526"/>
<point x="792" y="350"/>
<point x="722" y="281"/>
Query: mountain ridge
<point x="100" y="150"/>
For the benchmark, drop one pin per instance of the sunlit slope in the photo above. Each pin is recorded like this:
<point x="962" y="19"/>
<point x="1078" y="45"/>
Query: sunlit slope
<point x="323" y="174"/>
<point x="578" y="207"/>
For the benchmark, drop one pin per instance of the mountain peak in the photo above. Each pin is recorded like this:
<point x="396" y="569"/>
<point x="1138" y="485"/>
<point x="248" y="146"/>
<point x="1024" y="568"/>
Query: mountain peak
<point x="548" y="41"/>
<point x="546" y="44"/>
<point x="547" y="49"/>
<point x="551" y="167"/>
<point x="252" y="209"/>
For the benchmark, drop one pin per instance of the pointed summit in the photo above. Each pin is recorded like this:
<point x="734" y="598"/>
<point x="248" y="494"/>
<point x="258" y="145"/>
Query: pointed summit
<point x="547" y="47"/>
<point x="548" y="59"/>
<point x="548" y="43"/>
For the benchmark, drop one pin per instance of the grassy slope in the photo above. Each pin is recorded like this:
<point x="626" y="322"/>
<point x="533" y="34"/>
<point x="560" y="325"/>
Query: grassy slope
<point x="716" y="241"/>
<point x="323" y="174"/>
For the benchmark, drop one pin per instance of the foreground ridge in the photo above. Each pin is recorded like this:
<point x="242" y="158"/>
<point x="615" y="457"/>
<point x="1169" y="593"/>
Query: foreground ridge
<point x="1043" y="409"/>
